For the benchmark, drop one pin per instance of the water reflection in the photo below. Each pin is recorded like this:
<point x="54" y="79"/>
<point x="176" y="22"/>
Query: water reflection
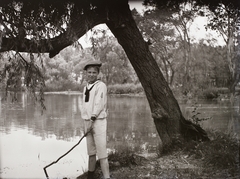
<point x="30" y="140"/>
<point x="224" y="115"/>
<point x="130" y="122"/>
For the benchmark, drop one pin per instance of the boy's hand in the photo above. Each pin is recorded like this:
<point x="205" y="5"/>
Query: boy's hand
<point x="93" y="118"/>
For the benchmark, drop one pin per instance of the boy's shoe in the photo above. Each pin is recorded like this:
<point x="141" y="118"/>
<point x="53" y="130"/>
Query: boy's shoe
<point x="90" y="175"/>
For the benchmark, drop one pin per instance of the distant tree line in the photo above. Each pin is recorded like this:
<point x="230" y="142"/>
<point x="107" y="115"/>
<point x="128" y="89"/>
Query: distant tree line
<point x="185" y="64"/>
<point x="65" y="71"/>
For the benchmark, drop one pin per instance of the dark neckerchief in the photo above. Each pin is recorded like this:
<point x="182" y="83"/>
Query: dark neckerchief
<point x="87" y="92"/>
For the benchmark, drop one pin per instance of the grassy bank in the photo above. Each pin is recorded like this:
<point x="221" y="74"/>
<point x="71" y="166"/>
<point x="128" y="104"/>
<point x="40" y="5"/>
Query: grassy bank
<point x="218" y="158"/>
<point x="137" y="89"/>
<point x="209" y="93"/>
<point x="125" y="89"/>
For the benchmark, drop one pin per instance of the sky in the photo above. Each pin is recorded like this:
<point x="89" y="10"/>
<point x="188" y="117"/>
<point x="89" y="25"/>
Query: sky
<point x="197" y="30"/>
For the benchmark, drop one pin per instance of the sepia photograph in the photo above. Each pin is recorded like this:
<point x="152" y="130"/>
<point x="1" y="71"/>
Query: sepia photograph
<point x="119" y="89"/>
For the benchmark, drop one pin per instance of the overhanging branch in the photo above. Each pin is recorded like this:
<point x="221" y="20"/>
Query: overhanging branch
<point x="78" y="26"/>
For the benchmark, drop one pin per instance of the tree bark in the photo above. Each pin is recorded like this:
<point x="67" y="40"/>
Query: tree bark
<point x="165" y="110"/>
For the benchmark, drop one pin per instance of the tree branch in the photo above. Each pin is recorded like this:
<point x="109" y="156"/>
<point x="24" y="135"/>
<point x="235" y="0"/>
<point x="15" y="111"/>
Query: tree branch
<point x="79" y="25"/>
<point x="45" y="168"/>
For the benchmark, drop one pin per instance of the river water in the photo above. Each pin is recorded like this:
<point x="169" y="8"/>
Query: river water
<point x="30" y="140"/>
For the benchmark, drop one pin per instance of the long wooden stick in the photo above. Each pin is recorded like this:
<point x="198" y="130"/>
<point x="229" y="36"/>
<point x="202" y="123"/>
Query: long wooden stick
<point x="45" y="168"/>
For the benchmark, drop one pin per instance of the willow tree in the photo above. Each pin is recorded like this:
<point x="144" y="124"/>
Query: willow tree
<point x="48" y="26"/>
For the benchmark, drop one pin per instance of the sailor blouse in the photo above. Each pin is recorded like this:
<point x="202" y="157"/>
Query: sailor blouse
<point x="94" y="101"/>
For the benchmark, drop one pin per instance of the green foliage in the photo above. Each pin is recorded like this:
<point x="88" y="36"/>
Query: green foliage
<point x="124" y="158"/>
<point x="22" y="72"/>
<point x="207" y="65"/>
<point x="221" y="152"/>
<point x="195" y="116"/>
<point x="157" y="28"/>
<point x="192" y="66"/>
<point x="175" y="4"/>
<point x="217" y="158"/>
<point x="116" y="67"/>
<point x="62" y="85"/>
<point x="125" y="89"/>
<point x="210" y="93"/>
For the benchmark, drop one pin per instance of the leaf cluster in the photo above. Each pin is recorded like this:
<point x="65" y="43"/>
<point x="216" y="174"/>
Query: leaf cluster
<point x="20" y="74"/>
<point x="196" y="118"/>
<point x="34" y="19"/>
<point x="175" y="4"/>
<point x="221" y="152"/>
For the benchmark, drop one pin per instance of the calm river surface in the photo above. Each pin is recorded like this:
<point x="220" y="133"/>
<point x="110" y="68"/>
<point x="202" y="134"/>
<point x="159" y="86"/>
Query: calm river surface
<point x="30" y="140"/>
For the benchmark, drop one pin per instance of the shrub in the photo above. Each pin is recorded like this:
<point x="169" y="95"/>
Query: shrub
<point x="61" y="85"/>
<point x="210" y="93"/>
<point x="195" y="116"/>
<point x="221" y="152"/>
<point x="124" y="158"/>
<point x="125" y="89"/>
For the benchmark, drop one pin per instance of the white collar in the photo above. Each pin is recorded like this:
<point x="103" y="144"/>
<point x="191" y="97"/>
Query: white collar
<point x="90" y="85"/>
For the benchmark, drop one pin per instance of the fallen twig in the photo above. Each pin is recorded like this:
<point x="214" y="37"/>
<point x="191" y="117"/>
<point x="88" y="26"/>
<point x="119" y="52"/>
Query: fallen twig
<point x="45" y="168"/>
<point x="184" y="160"/>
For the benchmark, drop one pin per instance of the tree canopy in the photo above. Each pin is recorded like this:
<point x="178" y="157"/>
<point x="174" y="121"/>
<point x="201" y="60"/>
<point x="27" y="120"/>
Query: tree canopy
<point x="53" y="25"/>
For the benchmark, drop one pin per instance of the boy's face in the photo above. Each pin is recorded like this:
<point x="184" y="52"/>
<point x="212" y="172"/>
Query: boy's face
<point x="92" y="74"/>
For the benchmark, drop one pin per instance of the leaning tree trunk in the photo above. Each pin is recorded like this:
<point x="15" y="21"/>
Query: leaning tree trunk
<point x="164" y="107"/>
<point x="165" y="110"/>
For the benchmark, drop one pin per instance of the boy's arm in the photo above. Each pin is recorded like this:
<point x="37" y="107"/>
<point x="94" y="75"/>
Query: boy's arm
<point x="99" y="100"/>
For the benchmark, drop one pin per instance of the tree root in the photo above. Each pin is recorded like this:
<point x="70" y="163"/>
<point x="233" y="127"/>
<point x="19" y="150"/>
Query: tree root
<point x="191" y="131"/>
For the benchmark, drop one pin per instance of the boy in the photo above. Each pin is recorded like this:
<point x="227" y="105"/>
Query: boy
<point x="94" y="115"/>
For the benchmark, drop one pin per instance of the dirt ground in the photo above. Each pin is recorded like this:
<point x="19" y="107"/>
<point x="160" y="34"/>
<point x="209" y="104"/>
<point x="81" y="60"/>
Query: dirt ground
<point x="174" y="166"/>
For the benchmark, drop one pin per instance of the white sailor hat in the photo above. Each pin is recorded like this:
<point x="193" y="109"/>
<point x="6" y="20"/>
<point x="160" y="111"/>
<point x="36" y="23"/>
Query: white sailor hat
<point x="92" y="63"/>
